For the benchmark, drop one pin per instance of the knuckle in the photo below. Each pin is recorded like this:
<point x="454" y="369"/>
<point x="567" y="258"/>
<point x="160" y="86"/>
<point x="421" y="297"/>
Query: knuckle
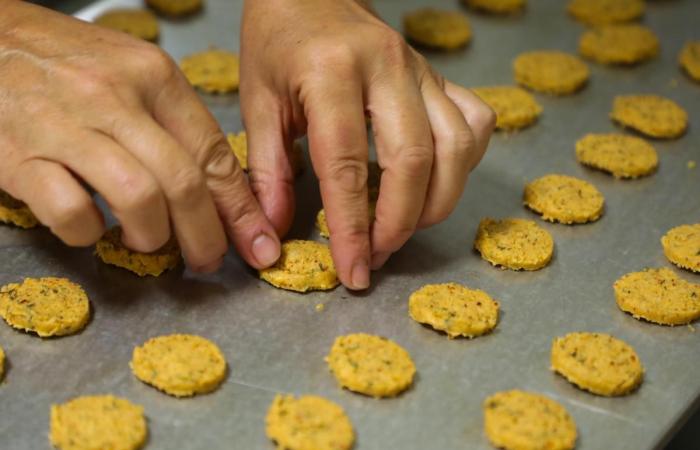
<point x="394" y="49"/>
<point x="338" y="56"/>
<point x="456" y="146"/>
<point x="348" y="174"/>
<point x="155" y="62"/>
<point x="138" y="192"/>
<point x="216" y="157"/>
<point x="415" y="160"/>
<point x="69" y="212"/>
<point x="186" y="186"/>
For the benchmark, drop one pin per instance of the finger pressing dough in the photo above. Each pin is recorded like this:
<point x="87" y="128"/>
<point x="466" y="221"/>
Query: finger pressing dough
<point x="371" y="365"/>
<point x="181" y="365"/>
<point x="303" y="266"/>
<point x="239" y="147"/>
<point x="597" y="362"/>
<point x="659" y="296"/>
<point x="213" y="71"/>
<point x="435" y="28"/>
<point x="682" y="246"/>
<point x="619" y="44"/>
<point x="111" y="250"/>
<point x="600" y="12"/>
<point x="514" y="107"/>
<point x="322" y="224"/>
<point x="652" y="115"/>
<point x="175" y="8"/>
<point x="496" y="6"/>
<point x="98" y="423"/>
<point x="516" y="244"/>
<point x="454" y="309"/>
<point x="689" y="59"/>
<point x="45" y="306"/>
<point x="136" y="22"/>
<point x="550" y="71"/>
<point x="15" y="212"/>
<point x="519" y="420"/>
<point x="564" y="199"/>
<point x="619" y="154"/>
<point x="308" y="423"/>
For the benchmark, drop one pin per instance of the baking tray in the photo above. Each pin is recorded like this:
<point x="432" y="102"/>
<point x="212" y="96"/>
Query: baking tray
<point x="275" y="341"/>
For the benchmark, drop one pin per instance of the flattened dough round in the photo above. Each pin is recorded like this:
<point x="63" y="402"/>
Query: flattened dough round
<point x="175" y="8"/>
<point x="309" y="422"/>
<point x="213" y="71"/>
<point x="239" y="147"/>
<point x="619" y="44"/>
<point x="619" y="154"/>
<point x="371" y="365"/>
<point x="15" y="212"/>
<point x="96" y="423"/>
<point x="497" y="6"/>
<point x="514" y="107"/>
<point x="111" y="250"/>
<point x="597" y="362"/>
<point x="181" y="365"/>
<point x="565" y="199"/>
<point x="45" y="306"/>
<point x="682" y="246"/>
<point x="303" y="266"/>
<point x="519" y="420"/>
<point x="436" y="28"/>
<point x="454" y="309"/>
<point x="516" y="244"/>
<point x="689" y="59"/>
<point x="136" y="22"/>
<point x="659" y="296"/>
<point x="550" y="71"/>
<point x="600" y="12"/>
<point x="652" y="115"/>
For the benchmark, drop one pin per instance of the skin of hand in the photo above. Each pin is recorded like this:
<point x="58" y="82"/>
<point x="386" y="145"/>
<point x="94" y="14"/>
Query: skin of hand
<point x="82" y="105"/>
<point x="316" y="67"/>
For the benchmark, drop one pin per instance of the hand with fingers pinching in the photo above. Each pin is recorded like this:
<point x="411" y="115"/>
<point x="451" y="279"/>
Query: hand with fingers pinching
<point x="316" y="67"/>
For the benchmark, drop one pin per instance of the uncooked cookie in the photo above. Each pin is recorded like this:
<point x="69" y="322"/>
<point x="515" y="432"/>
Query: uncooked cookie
<point x="619" y="154"/>
<point x="98" y="422"/>
<point x="550" y="71"/>
<point x="309" y="422"/>
<point x="652" y="115"/>
<point x="322" y="224"/>
<point x="519" y="420"/>
<point x="659" y="296"/>
<point x="136" y="22"/>
<point x="175" y="8"/>
<point x="564" y="199"/>
<point x="689" y="59"/>
<point x="213" y="71"/>
<point x="454" y="309"/>
<point x="682" y="246"/>
<point x="111" y="250"/>
<point x="239" y="147"/>
<point x="497" y="6"/>
<point x="435" y="28"/>
<point x="516" y="244"/>
<point x="15" y="212"/>
<point x="181" y="365"/>
<point x="371" y="365"/>
<point x="600" y="12"/>
<point x="597" y="362"/>
<point x="303" y="266"/>
<point x="514" y="107"/>
<point x="45" y="306"/>
<point x="619" y="44"/>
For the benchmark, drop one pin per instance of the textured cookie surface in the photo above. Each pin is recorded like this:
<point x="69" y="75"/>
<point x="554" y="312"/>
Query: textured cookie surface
<point x="619" y="154"/>
<point x="597" y="362"/>
<point x="175" y="8"/>
<point x="308" y="423"/>
<point x="514" y="107"/>
<point x="15" y="212"/>
<point x="371" y="365"/>
<point x="303" y="266"/>
<point x="496" y="6"/>
<point x="519" y="420"/>
<point x="659" y="296"/>
<point x="516" y="244"/>
<point x="689" y="59"/>
<point x="213" y="70"/>
<point x="98" y="422"/>
<point x="181" y="365"/>
<point x="599" y="12"/>
<point x="437" y="28"/>
<point x="111" y="250"/>
<point x="454" y="309"/>
<point x="565" y="199"/>
<point x="619" y="44"/>
<point x="45" y="306"/>
<point x="652" y="115"/>
<point x="137" y="22"/>
<point x="550" y="71"/>
<point x="682" y="246"/>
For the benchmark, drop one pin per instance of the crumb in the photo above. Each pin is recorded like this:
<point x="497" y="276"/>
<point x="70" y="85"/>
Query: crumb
<point x="692" y="164"/>
<point x="320" y="307"/>
<point x="691" y="327"/>
<point x="673" y="83"/>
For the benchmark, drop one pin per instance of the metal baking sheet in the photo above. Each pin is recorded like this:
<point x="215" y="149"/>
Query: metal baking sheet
<point x="275" y="341"/>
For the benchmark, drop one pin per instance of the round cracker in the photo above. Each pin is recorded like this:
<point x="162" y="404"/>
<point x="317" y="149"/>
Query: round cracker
<point x="619" y="44"/>
<point x="213" y="71"/>
<point x="682" y="246"/>
<point x="550" y="72"/>
<point x="136" y="22"/>
<point x="516" y="244"/>
<point x="652" y="115"/>
<point x="111" y="250"/>
<point x="175" y="8"/>
<point x="437" y="28"/>
<point x="15" y="212"/>
<point x="564" y="199"/>
<point x="689" y="59"/>
<point x="497" y="6"/>
<point x="600" y="12"/>
<point x="514" y="107"/>
<point x="371" y="365"/>
<point x="302" y="266"/>
<point x="621" y="155"/>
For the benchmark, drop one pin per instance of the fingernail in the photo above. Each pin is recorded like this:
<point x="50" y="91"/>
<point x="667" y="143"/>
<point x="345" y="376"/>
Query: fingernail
<point x="211" y="267"/>
<point x="360" y="275"/>
<point x="379" y="259"/>
<point x="266" y="250"/>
